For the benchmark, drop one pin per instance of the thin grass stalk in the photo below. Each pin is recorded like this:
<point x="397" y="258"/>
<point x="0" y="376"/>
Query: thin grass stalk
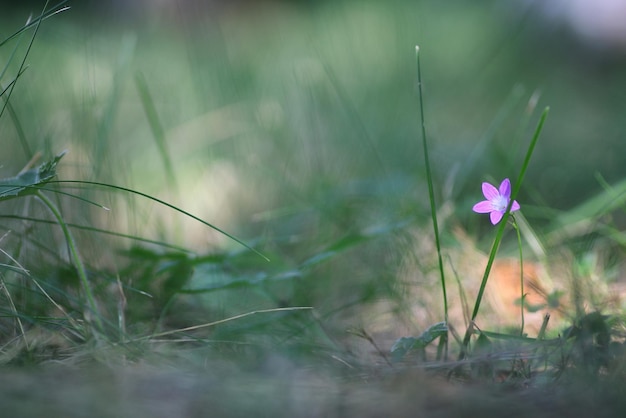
<point x="158" y="133"/>
<point x="17" y="316"/>
<point x="19" y="270"/>
<point x="101" y="150"/>
<point x="19" y="130"/>
<point x="500" y="233"/>
<point x="521" y="275"/>
<point x="164" y="203"/>
<point x="45" y="15"/>
<point x="431" y="198"/>
<point x="462" y="294"/>
<point x="77" y="327"/>
<point x="102" y="231"/>
<point x="8" y="62"/>
<point x="23" y="63"/>
<point x="225" y="320"/>
<point x="78" y="262"/>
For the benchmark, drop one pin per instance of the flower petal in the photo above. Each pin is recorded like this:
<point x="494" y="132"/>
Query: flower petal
<point x="495" y="216"/>
<point x="515" y="206"/>
<point x="505" y="189"/>
<point x="483" y="207"/>
<point x="490" y="192"/>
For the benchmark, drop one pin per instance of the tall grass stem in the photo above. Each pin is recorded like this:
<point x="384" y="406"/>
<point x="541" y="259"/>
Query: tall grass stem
<point x="78" y="262"/>
<point x="156" y="127"/>
<point x="521" y="274"/>
<point x="431" y="191"/>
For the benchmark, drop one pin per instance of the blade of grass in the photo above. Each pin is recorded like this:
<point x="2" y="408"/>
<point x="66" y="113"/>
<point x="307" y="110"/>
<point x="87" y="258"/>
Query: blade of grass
<point x="60" y="308"/>
<point x="463" y="296"/>
<point x="102" y="231"/>
<point x="521" y="273"/>
<point x="9" y="60"/>
<point x="5" y="89"/>
<point x="431" y="196"/>
<point x="19" y="130"/>
<point x="78" y="262"/>
<point x="582" y="218"/>
<point x="155" y="125"/>
<point x="353" y="114"/>
<point x="101" y="146"/>
<point x="13" y="309"/>
<point x="45" y="15"/>
<point x="164" y="203"/>
<point x="222" y="321"/>
<point x="23" y="63"/>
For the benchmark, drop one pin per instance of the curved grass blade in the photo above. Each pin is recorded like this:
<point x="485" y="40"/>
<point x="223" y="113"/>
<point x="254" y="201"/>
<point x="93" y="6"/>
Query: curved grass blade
<point x="229" y="319"/>
<point x="23" y="63"/>
<point x="73" y="196"/>
<point x="156" y="127"/>
<point x="55" y="10"/>
<point x="4" y="90"/>
<point x="352" y="240"/>
<point x="20" y="270"/>
<point x="8" y="62"/>
<point x="19" y="130"/>
<point x="101" y="231"/>
<point x="78" y="262"/>
<point x="164" y="203"/>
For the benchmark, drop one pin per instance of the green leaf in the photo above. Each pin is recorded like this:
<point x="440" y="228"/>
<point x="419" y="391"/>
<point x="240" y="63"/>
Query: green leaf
<point x="483" y="343"/>
<point x="204" y="282"/>
<point x="405" y="344"/>
<point x="583" y="218"/>
<point x="28" y="181"/>
<point x="352" y="240"/>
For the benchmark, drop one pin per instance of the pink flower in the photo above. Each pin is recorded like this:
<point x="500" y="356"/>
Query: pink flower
<point x="497" y="201"/>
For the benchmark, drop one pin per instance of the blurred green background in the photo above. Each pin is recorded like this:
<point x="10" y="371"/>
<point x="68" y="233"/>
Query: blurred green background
<point x="325" y="92"/>
<point x="294" y="125"/>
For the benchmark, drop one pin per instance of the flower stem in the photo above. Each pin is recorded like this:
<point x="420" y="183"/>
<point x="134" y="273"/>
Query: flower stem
<point x="78" y="262"/>
<point x="500" y="233"/>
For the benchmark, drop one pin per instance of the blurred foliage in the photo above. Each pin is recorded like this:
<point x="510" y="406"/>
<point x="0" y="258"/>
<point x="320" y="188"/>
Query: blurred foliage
<point x="327" y="91"/>
<point x="296" y="128"/>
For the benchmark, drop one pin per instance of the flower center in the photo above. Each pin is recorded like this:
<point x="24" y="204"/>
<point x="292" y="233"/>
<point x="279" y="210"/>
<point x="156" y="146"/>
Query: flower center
<point x="500" y="203"/>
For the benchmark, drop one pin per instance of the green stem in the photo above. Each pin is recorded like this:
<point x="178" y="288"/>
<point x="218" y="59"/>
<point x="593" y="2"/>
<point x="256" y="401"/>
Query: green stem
<point x="500" y="233"/>
<point x="78" y="262"/>
<point x="431" y="196"/>
<point x="521" y="269"/>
